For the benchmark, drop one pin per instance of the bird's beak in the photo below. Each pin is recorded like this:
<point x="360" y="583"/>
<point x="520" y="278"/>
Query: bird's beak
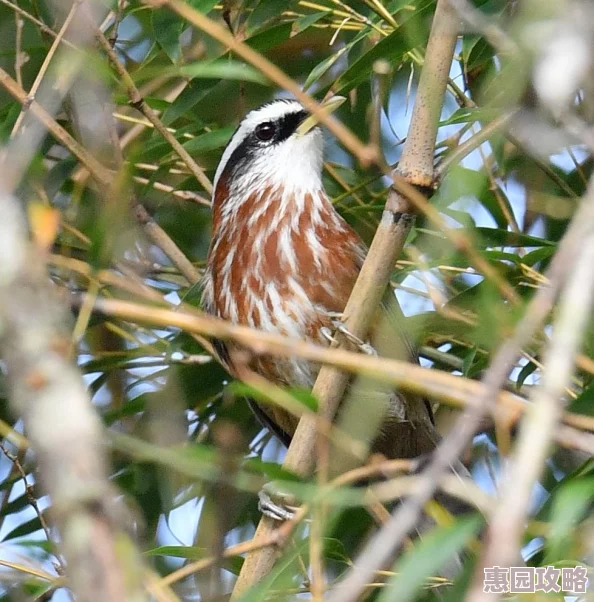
<point x="328" y="106"/>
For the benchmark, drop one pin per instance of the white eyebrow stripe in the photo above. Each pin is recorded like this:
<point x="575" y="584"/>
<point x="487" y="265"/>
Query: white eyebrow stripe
<point x="268" y="112"/>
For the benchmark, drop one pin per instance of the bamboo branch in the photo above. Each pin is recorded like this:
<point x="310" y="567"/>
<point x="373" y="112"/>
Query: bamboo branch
<point x="46" y="389"/>
<point x="450" y="389"/>
<point x="138" y="102"/>
<point x="391" y="537"/>
<point x="506" y="524"/>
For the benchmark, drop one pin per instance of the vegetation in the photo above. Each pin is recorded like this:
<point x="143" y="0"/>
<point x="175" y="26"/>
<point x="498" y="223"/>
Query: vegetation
<point x="113" y="116"/>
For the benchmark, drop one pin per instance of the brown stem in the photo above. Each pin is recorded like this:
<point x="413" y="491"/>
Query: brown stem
<point x="45" y="387"/>
<point x="537" y="431"/>
<point x="391" y="537"/>
<point x="138" y="102"/>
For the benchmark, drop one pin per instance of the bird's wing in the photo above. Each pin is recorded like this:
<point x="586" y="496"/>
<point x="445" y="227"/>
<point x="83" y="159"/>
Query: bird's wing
<point x="394" y="423"/>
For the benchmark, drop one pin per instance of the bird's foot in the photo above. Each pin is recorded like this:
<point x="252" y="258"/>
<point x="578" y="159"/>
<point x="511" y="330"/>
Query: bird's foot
<point x="276" y="504"/>
<point x="341" y="327"/>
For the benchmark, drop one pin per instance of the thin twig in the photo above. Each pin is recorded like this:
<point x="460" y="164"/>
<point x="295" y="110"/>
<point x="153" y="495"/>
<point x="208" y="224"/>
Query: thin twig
<point x="42" y="26"/>
<point x="448" y="388"/>
<point x="464" y="149"/>
<point x="390" y="538"/>
<point x="105" y="277"/>
<point x="138" y="102"/>
<point x="537" y="431"/>
<point x="19" y="55"/>
<point x="56" y="581"/>
<point x="30" y="495"/>
<point x="162" y="240"/>
<point x="186" y="195"/>
<point x="46" y="63"/>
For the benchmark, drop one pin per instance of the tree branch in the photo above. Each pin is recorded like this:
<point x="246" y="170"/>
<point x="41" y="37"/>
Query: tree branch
<point x="391" y="537"/>
<point x="66" y="434"/>
<point x="416" y="168"/>
<point x="537" y="430"/>
<point x="450" y="389"/>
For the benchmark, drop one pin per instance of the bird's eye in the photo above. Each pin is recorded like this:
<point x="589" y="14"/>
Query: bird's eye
<point x="265" y="131"/>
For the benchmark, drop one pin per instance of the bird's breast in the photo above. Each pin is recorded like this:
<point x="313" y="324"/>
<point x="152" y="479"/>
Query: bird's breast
<point x="283" y="266"/>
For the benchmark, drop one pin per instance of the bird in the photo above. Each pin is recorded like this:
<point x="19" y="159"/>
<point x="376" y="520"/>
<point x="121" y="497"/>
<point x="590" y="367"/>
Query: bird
<point x="283" y="260"/>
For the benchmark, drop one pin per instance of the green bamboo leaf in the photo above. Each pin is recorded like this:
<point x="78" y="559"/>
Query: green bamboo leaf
<point x="216" y="70"/>
<point x="302" y="397"/>
<point x="194" y="553"/>
<point x="203" y="6"/>
<point x="322" y="68"/>
<point x="167" y="29"/>
<point x="466" y="115"/>
<point x="189" y="98"/>
<point x="570" y="505"/>
<point x="495" y="237"/>
<point x="210" y="70"/>
<point x="16" y="505"/>
<point x="427" y="557"/>
<point x="209" y="141"/>
<point x="525" y="372"/>
<point x="25" y="528"/>
<point x="584" y="404"/>
<point x="304" y="23"/>
<point x="476" y="52"/>
<point x="223" y="69"/>
<point x="270" y="38"/>
<point x="190" y="552"/>
<point x="413" y="32"/>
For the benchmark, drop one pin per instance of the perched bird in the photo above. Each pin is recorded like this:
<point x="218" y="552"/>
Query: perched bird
<point x="283" y="260"/>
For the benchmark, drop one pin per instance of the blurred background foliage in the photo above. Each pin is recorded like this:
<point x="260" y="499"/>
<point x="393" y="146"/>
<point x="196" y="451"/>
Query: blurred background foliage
<point x="186" y="451"/>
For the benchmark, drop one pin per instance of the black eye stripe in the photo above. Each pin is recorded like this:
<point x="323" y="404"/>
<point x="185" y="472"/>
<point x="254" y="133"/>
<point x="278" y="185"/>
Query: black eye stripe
<point x="248" y="148"/>
<point x="287" y="124"/>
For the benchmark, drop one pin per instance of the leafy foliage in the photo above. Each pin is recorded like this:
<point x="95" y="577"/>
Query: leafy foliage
<point x="185" y="449"/>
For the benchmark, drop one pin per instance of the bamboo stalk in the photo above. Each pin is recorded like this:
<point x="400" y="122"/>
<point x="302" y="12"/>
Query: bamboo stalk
<point x="453" y="390"/>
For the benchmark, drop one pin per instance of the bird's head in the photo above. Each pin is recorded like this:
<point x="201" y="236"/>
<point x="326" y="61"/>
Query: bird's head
<point x="277" y="146"/>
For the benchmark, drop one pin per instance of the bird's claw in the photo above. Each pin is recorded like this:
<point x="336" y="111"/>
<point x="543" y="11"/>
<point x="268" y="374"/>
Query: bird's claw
<point x="368" y="349"/>
<point x="365" y="347"/>
<point x="276" y="510"/>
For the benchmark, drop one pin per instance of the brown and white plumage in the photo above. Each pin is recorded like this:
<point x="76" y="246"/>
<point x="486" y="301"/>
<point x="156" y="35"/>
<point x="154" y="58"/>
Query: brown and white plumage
<point x="281" y="257"/>
<point x="283" y="260"/>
